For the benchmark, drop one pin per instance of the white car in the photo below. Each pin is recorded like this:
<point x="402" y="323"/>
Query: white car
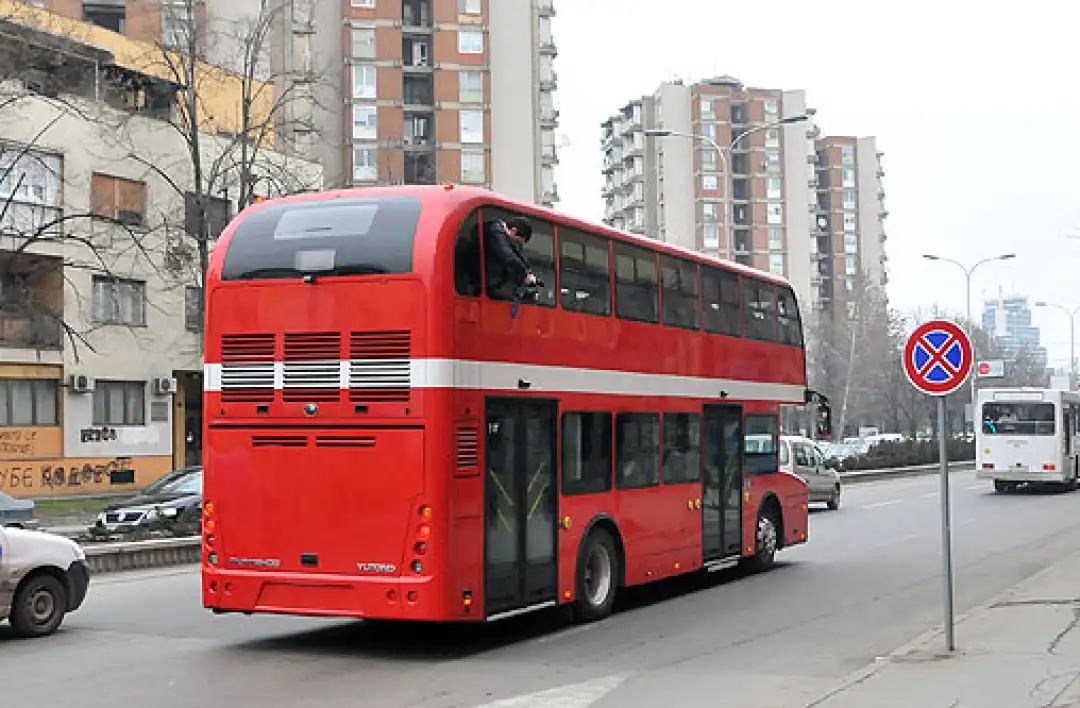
<point x="801" y="456"/>
<point x="42" y="578"/>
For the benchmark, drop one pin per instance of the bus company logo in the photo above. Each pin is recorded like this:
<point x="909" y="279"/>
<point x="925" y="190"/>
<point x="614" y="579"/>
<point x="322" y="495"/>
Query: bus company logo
<point x="376" y="567"/>
<point x="256" y="562"/>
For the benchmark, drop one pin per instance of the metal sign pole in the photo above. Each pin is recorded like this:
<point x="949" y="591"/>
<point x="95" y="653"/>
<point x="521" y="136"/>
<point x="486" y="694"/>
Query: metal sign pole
<point x="946" y="526"/>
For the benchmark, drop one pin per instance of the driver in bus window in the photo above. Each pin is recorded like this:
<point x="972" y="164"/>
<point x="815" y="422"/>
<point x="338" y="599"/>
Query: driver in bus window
<point x="504" y="241"/>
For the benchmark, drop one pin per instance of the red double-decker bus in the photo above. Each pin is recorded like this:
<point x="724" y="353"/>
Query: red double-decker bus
<point x="385" y="438"/>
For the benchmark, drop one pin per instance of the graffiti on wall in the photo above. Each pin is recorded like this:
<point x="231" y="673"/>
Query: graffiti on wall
<point x="57" y="477"/>
<point x="29" y="442"/>
<point x="97" y="435"/>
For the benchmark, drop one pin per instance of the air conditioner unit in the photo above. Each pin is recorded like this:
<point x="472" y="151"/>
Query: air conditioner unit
<point x="164" y="386"/>
<point x="81" y="383"/>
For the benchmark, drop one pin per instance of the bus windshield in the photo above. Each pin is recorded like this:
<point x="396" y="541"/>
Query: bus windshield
<point x="1018" y="419"/>
<point x="372" y="236"/>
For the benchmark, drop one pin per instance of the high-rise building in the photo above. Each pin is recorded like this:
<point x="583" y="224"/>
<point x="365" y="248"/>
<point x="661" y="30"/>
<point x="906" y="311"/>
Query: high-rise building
<point x="1007" y="318"/>
<point x="427" y="91"/>
<point x="676" y="188"/>
<point x="385" y="91"/>
<point x="849" y="235"/>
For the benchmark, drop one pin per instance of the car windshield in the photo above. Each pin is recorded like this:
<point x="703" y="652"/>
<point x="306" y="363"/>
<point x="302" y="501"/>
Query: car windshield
<point x="185" y="481"/>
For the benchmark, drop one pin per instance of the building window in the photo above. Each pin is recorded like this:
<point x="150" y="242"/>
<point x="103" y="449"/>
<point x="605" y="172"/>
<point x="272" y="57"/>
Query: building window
<point x="708" y="211"/>
<point x="707" y="109"/>
<point x="850" y="222"/>
<point x="776" y="239"/>
<point x="708" y="159"/>
<point x="469" y="7"/>
<point x="776" y="213"/>
<point x="849" y="198"/>
<point x="364" y="81"/>
<point x="473" y="169"/>
<point x="363" y="43"/>
<point x="470" y="42"/>
<point x="709" y="130"/>
<point x="119" y="403"/>
<point x="123" y="200"/>
<point x="472" y="127"/>
<point x="471" y="86"/>
<point x="851" y="265"/>
<point x="772" y="138"/>
<point x="111" y="17"/>
<point x="365" y="164"/>
<point x="30" y="191"/>
<point x="711" y="236"/>
<point x="176" y="25"/>
<point x="849" y="177"/>
<point x="773" y="188"/>
<point x="851" y="243"/>
<point x="365" y="123"/>
<point x="709" y="183"/>
<point x="772" y="106"/>
<point x="119" y="301"/>
<point x="27" y="402"/>
<point x="193" y="309"/>
<point x="776" y="263"/>
<point x="772" y="160"/>
<point x="849" y="284"/>
<point x="637" y="450"/>
<point x="847" y="156"/>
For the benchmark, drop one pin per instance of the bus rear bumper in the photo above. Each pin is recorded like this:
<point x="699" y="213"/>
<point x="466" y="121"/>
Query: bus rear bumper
<point x="317" y="595"/>
<point x="1022" y="476"/>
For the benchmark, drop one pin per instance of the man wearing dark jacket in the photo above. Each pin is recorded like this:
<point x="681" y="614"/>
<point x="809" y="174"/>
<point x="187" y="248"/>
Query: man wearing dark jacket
<point x="504" y="240"/>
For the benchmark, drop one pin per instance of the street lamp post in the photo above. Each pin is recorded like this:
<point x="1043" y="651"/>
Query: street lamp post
<point x="728" y="180"/>
<point x="970" y="323"/>
<point x="1072" y="337"/>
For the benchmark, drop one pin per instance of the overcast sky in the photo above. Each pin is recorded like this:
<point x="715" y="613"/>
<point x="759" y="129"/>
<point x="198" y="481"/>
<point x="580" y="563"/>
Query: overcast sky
<point x="976" y="106"/>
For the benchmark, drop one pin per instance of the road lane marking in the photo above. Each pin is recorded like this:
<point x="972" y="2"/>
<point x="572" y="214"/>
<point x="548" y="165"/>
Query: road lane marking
<point x="576" y="695"/>
<point x="878" y="505"/>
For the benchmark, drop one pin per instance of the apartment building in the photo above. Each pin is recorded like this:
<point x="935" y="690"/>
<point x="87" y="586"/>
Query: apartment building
<point x="849" y="241"/>
<point x="384" y="91"/>
<point x="100" y="304"/>
<point x="778" y="197"/>
<point x="679" y="189"/>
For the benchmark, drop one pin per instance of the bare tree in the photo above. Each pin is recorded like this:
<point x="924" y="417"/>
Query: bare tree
<point x="224" y="164"/>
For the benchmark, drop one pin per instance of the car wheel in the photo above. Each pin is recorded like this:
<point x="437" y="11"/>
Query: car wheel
<point x="39" y="607"/>
<point x="834" y="501"/>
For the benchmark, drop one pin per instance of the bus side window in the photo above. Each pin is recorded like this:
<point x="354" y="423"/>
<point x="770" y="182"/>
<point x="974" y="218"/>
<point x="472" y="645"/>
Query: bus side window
<point x="467" y="273"/>
<point x="759" y="311"/>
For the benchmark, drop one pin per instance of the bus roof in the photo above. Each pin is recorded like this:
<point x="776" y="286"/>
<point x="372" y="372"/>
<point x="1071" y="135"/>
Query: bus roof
<point x="453" y="197"/>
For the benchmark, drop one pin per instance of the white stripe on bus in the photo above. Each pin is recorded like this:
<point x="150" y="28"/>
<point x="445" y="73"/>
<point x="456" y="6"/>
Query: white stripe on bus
<point x="503" y="376"/>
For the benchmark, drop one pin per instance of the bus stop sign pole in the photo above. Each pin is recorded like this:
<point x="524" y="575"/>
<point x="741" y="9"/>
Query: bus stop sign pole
<point x="937" y="361"/>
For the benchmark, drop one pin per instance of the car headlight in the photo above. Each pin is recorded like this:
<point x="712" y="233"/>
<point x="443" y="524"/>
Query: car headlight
<point x="170" y="513"/>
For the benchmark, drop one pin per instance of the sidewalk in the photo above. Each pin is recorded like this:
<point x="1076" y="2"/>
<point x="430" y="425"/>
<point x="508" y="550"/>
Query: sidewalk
<point x="1021" y="650"/>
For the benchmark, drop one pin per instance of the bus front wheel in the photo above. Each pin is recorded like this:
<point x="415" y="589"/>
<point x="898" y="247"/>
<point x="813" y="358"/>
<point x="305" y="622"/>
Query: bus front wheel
<point x="766" y="541"/>
<point x="597" y="577"/>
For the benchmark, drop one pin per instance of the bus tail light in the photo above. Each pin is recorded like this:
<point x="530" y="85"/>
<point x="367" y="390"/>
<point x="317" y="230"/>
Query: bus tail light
<point x="420" y="548"/>
<point x="209" y="526"/>
<point x="1048" y="467"/>
<point x="988" y="465"/>
<point x="423" y="533"/>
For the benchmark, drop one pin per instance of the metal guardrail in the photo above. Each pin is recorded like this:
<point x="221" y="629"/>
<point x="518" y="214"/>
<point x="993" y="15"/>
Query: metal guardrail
<point x="160" y="553"/>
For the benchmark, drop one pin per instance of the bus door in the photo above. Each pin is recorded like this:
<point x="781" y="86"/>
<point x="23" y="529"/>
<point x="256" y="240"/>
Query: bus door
<point x="723" y="480"/>
<point x="520" y="507"/>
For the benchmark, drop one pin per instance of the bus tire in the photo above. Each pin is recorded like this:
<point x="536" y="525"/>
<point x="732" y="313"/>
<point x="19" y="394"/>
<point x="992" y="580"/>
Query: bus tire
<point x="39" y="606"/>
<point x="598" y="574"/>
<point x="766" y="540"/>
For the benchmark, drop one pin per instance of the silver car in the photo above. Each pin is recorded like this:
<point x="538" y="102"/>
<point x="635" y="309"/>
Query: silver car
<point x="18" y="513"/>
<point x="801" y="456"/>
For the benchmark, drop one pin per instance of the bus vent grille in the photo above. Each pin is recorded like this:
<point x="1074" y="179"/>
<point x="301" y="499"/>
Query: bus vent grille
<point x="247" y="383"/>
<point x="278" y="441"/>
<point x="345" y="441"/>
<point x="313" y="346"/>
<point x="247" y="348"/>
<point x="380" y="366"/>
<point x="312" y="369"/>
<point x="468" y="447"/>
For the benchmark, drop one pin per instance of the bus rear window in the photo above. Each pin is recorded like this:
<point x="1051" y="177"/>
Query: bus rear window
<point x="1018" y="419"/>
<point x="325" y="238"/>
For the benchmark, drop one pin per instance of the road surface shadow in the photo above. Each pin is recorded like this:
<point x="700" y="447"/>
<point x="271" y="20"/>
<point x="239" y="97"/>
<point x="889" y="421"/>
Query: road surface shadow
<point x="429" y="642"/>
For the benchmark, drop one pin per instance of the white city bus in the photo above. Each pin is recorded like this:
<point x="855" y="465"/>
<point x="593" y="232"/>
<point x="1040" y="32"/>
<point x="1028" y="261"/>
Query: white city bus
<point x="1028" y="436"/>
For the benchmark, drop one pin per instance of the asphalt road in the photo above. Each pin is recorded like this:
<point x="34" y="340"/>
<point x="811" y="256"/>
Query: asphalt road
<point x="868" y="582"/>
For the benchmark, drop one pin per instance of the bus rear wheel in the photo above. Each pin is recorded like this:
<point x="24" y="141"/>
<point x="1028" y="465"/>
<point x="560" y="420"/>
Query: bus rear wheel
<point x="597" y="577"/>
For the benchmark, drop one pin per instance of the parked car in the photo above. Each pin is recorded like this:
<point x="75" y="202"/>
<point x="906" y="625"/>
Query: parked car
<point x="801" y="456"/>
<point x="18" y="513"/>
<point x="168" y="502"/>
<point x="42" y="578"/>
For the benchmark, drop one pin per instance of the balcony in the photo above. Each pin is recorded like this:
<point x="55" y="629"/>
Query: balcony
<point x="416" y="14"/>
<point x="546" y="8"/>
<point x="549" y="155"/>
<point x="548" y="48"/>
<point x="39" y="331"/>
<point x="549" y="82"/>
<point x="549" y="120"/>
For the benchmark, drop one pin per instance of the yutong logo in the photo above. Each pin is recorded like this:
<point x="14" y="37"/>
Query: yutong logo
<point x="256" y="562"/>
<point x="376" y="567"/>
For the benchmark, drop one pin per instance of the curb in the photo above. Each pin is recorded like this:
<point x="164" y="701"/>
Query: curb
<point x="860" y="476"/>
<point x="867" y="672"/>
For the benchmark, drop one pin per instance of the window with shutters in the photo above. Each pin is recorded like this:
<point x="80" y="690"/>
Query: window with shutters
<point x="120" y="199"/>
